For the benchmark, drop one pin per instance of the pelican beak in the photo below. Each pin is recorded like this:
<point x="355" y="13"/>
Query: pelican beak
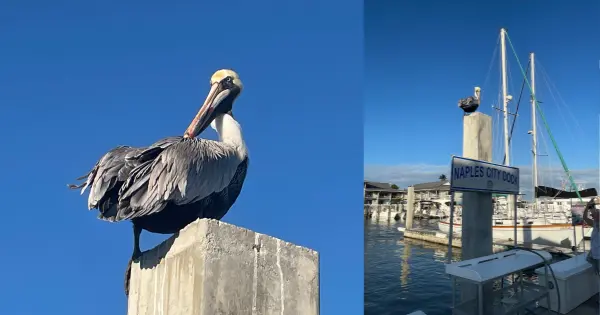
<point x="207" y="112"/>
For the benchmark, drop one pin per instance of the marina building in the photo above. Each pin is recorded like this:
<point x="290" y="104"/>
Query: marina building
<point x="432" y="190"/>
<point x="377" y="193"/>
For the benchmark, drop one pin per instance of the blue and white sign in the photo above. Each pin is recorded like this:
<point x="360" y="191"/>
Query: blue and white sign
<point x="474" y="175"/>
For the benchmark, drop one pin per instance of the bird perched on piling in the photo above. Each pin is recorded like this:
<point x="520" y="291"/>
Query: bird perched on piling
<point x="173" y="182"/>
<point x="470" y="104"/>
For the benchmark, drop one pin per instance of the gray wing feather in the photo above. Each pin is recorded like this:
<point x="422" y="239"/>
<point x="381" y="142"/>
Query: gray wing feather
<point x="112" y="170"/>
<point x="106" y="173"/>
<point x="105" y="180"/>
<point x="184" y="172"/>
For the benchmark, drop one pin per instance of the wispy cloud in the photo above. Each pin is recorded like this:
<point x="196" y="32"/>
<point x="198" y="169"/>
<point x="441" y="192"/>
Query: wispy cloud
<point x="406" y="175"/>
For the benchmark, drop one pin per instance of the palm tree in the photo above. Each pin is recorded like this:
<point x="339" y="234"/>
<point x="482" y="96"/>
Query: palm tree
<point x="442" y="177"/>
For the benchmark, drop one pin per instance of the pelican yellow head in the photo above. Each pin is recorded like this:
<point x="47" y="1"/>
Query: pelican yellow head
<point x="225" y="86"/>
<point x="222" y="74"/>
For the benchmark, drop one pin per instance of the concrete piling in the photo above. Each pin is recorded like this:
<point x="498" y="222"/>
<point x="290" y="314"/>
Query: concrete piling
<point x="211" y="267"/>
<point x="477" y="240"/>
<point x="410" y="208"/>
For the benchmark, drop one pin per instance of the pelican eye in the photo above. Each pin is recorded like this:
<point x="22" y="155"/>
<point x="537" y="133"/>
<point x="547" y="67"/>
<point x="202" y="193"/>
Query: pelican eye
<point x="228" y="82"/>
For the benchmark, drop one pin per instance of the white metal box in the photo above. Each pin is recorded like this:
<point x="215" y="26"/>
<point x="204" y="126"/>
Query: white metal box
<point x="487" y="268"/>
<point x="575" y="280"/>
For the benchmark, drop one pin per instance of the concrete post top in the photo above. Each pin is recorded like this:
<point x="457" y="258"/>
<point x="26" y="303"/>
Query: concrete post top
<point x="202" y="233"/>
<point x="213" y="267"/>
<point x="475" y="114"/>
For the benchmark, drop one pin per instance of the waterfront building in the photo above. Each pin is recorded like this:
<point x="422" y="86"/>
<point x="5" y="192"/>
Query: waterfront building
<point x="376" y="193"/>
<point x="432" y="190"/>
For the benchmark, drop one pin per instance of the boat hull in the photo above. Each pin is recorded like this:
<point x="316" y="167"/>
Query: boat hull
<point x="552" y="234"/>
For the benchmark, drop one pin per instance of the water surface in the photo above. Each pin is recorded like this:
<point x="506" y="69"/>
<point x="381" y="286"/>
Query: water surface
<point x="402" y="276"/>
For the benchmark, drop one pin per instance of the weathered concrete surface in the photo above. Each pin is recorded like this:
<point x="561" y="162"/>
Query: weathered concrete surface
<point x="477" y="137"/>
<point x="214" y="268"/>
<point x="477" y="207"/>
<point x="410" y="207"/>
<point x="477" y="236"/>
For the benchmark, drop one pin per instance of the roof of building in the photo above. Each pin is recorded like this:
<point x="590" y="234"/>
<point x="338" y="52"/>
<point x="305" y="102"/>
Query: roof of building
<point x="378" y="186"/>
<point x="390" y="190"/>
<point x="439" y="185"/>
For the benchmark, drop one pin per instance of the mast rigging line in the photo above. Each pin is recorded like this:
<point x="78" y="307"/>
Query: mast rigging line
<point x="559" y="101"/>
<point x="491" y="65"/>
<point x="539" y="109"/>
<point x="512" y="127"/>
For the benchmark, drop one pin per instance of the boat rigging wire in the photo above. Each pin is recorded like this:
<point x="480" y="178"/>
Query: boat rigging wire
<point x="487" y="76"/>
<point x="512" y="127"/>
<point x="537" y="105"/>
<point x="559" y="101"/>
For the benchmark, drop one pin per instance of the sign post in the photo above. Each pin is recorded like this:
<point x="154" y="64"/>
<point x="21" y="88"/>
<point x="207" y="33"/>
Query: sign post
<point x="468" y="175"/>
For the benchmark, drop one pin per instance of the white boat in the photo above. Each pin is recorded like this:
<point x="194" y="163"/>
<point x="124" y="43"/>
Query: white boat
<point x="430" y="209"/>
<point x="528" y="230"/>
<point x="441" y="208"/>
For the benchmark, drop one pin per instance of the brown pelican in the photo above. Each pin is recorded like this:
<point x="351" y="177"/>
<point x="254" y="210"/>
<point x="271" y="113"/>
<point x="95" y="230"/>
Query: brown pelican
<point x="471" y="103"/>
<point x="166" y="186"/>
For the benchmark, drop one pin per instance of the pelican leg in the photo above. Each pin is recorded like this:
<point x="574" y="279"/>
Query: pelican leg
<point x="137" y="231"/>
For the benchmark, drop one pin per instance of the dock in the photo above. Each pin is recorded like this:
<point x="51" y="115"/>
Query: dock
<point x="430" y="235"/>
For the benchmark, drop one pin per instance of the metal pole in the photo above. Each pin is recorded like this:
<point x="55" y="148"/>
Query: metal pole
<point x="575" y="236"/>
<point x="504" y="94"/>
<point x="583" y="235"/>
<point x="505" y="101"/>
<point x="515" y="220"/>
<point x="533" y="125"/>
<point x="480" y="298"/>
<point x="575" y="244"/>
<point x="450" y="227"/>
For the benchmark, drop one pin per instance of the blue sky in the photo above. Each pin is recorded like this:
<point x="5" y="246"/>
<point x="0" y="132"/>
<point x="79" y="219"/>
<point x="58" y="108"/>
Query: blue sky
<point x="422" y="56"/>
<point x="79" y="78"/>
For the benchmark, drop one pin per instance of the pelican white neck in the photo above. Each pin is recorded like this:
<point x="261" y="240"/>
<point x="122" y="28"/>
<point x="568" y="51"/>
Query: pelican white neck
<point x="229" y="130"/>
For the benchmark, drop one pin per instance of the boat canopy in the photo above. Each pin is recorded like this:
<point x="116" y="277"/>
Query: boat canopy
<point x="545" y="191"/>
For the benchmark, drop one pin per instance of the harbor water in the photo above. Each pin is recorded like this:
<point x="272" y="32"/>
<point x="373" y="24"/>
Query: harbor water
<point x="404" y="275"/>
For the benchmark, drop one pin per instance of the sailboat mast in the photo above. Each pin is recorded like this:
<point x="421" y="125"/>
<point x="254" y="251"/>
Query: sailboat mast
<point x="509" y="198"/>
<point x="533" y="125"/>
<point x="504" y="95"/>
